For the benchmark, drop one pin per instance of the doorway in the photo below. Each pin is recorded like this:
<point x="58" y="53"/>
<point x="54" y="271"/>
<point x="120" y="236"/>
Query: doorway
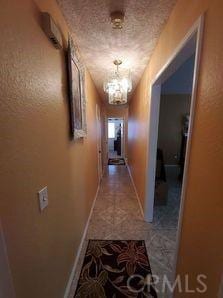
<point x="174" y="116"/>
<point x="115" y="138"/>
<point x="170" y="133"/>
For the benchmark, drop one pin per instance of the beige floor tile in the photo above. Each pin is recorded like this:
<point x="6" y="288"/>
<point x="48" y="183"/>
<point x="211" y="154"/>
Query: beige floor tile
<point x="117" y="216"/>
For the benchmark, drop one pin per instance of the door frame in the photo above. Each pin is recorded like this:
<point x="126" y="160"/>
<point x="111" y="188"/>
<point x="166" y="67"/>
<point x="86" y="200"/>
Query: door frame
<point x="99" y="142"/>
<point x="153" y="121"/>
<point x="123" y="135"/>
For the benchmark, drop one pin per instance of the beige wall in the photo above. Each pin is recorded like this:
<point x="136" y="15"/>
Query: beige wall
<point x="36" y="151"/>
<point x="201" y="243"/>
<point x="173" y="108"/>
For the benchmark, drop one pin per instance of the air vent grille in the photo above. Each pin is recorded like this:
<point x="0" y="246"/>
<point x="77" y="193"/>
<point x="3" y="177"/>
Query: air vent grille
<point x="51" y="30"/>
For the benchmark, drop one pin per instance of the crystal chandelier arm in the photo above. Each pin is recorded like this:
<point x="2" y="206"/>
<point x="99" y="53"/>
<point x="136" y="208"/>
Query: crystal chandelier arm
<point x="118" y="85"/>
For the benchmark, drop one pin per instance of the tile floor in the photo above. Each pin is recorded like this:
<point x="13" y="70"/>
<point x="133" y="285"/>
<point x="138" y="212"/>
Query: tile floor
<point x="117" y="215"/>
<point x="113" y="154"/>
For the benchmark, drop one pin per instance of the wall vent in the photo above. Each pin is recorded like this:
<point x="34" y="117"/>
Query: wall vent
<point x="51" y="30"/>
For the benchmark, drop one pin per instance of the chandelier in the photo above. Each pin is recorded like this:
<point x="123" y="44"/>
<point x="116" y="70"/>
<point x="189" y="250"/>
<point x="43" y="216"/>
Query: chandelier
<point x="118" y="85"/>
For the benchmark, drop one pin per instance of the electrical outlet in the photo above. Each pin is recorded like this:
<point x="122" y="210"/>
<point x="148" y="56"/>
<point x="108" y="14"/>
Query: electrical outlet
<point x="43" y="198"/>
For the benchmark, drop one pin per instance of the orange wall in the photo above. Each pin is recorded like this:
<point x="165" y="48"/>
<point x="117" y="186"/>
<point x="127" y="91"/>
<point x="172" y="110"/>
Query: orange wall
<point x="36" y="151"/>
<point x="201" y="245"/>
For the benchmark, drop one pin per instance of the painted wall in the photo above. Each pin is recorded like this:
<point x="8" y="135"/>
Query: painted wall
<point x="36" y="151"/>
<point x="173" y="108"/>
<point x="181" y="81"/>
<point x="201" y="243"/>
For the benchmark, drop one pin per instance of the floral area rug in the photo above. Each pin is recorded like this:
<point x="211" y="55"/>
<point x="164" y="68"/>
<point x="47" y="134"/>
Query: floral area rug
<point x="116" y="161"/>
<point x="115" y="268"/>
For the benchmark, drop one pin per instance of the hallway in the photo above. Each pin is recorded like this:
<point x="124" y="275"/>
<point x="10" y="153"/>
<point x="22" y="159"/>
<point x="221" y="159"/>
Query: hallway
<point x="69" y="67"/>
<point x="117" y="216"/>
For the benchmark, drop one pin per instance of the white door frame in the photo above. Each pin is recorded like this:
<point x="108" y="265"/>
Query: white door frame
<point x="99" y="145"/>
<point x="123" y="135"/>
<point x="106" y="140"/>
<point x="195" y="31"/>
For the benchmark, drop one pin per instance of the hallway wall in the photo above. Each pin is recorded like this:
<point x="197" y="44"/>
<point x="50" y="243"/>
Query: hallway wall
<point x="36" y="151"/>
<point x="201" y="246"/>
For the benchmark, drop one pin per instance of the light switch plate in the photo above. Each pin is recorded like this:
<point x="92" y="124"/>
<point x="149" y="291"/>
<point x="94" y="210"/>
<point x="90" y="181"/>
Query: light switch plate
<point x="43" y="198"/>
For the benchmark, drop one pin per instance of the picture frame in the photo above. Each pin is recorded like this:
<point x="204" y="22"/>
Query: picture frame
<point x="77" y="97"/>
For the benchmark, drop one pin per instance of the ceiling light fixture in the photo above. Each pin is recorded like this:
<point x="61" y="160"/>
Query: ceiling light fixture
<point x="117" y="19"/>
<point x="117" y="85"/>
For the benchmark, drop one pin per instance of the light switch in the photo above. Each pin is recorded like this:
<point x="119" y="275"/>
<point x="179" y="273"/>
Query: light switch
<point x="43" y="198"/>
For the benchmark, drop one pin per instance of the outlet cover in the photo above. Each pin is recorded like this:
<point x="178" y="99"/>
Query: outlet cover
<point x="43" y="198"/>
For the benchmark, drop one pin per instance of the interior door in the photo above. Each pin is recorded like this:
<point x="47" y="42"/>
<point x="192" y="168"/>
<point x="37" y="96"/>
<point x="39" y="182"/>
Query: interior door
<point x="98" y="120"/>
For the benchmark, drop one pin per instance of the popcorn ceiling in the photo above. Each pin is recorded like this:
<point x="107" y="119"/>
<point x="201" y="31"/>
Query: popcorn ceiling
<point x="99" y="44"/>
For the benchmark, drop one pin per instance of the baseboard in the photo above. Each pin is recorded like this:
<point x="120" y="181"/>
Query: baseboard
<point x="67" y="290"/>
<point x="137" y="196"/>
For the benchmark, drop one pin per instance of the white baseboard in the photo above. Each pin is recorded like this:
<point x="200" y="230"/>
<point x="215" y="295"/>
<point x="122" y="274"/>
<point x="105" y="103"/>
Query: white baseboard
<point x="69" y="283"/>
<point x="137" y="196"/>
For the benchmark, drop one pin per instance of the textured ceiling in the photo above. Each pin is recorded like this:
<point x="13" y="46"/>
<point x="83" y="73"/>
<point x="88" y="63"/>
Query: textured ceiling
<point x="99" y="44"/>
